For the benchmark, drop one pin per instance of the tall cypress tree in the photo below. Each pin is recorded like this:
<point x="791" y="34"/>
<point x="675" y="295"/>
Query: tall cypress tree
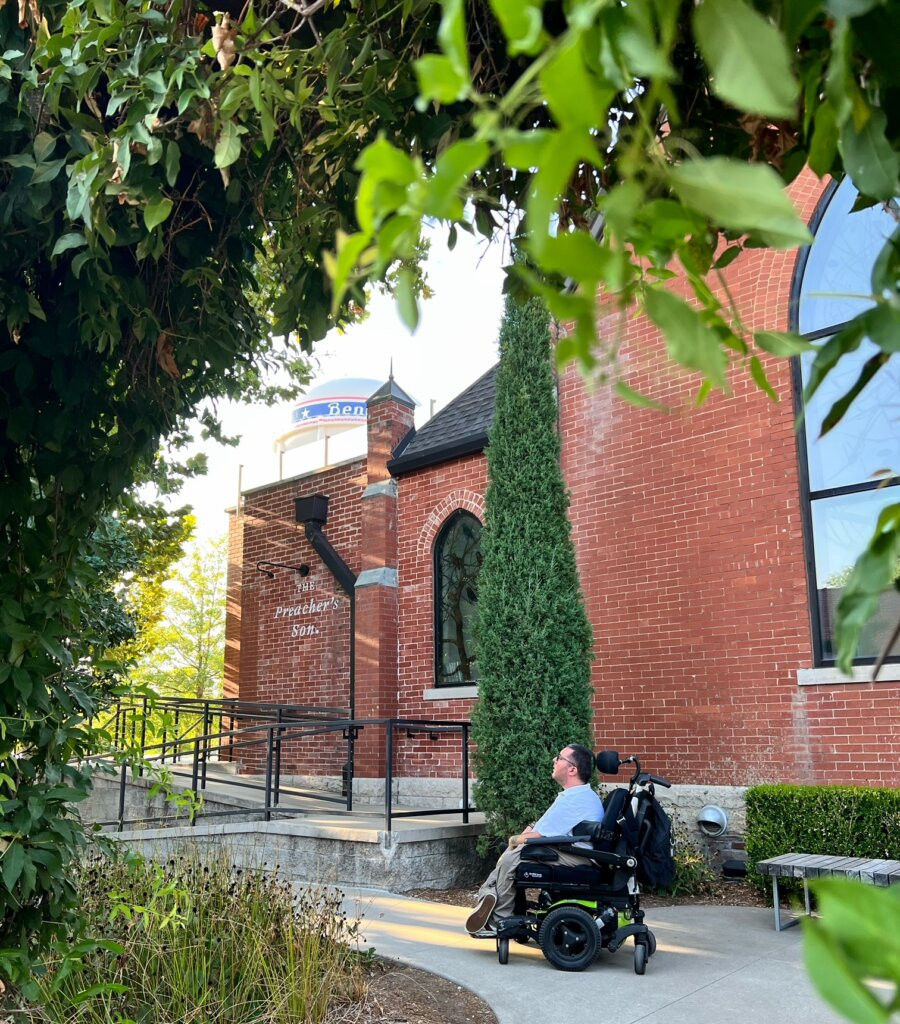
<point x="534" y="638"/>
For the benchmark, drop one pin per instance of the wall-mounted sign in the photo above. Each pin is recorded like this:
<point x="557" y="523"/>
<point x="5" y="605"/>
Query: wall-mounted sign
<point x="307" y="606"/>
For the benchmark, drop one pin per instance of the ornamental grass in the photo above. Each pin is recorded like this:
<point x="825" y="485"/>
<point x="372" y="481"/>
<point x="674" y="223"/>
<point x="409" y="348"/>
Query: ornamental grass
<point x="191" y="942"/>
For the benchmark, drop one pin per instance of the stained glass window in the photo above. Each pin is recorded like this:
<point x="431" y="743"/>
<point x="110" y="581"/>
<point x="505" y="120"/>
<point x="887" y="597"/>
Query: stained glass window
<point x="457" y="560"/>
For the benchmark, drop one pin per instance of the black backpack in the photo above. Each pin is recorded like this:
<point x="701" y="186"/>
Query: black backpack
<point x="656" y="845"/>
<point x="649" y="834"/>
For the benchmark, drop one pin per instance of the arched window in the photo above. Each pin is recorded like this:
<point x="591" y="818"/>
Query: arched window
<point x="844" y="472"/>
<point x="457" y="563"/>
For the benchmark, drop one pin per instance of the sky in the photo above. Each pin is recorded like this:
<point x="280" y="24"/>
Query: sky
<point x="456" y="341"/>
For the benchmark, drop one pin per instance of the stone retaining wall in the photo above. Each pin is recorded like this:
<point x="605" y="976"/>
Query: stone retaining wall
<point x="428" y="858"/>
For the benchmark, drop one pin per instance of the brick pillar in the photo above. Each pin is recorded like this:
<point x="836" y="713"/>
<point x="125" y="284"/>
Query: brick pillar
<point x="390" y="418"/>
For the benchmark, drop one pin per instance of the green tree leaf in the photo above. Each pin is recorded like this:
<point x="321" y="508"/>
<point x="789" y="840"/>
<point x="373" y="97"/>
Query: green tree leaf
<point x="749" y="60"/>
<point x="406" y="299"/>
<point x="228" y="146"/>
<point x="155" y="213"/>
<point x="782" y="343"/>
<point x="12" y="863"/>
<point x="748" y="197"/>
<point x="440" y="80"/>
<point x="70" y="240"/>
<point x="758" y="373"/>
<point x="689" y="341"/>
<point x="869" y="158"/>
<point x="835" y="982"/>
<point x="522" y="22"/>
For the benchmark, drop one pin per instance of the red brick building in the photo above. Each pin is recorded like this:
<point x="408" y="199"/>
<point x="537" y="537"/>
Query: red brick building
<point x="711" y="543"/>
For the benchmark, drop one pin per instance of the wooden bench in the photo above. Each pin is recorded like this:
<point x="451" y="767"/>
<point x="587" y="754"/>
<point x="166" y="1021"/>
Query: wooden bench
<point x="806" y="866"/>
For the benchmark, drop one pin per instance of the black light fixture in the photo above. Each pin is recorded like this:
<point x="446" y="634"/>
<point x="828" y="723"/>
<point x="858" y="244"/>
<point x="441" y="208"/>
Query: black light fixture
<point x="302" y="569"/>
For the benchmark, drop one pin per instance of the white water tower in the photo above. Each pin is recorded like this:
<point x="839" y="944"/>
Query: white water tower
<point x="328" y="409"/>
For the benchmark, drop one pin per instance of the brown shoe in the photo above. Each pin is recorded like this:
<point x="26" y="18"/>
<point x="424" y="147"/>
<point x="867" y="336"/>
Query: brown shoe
<point x="480" y="916"/>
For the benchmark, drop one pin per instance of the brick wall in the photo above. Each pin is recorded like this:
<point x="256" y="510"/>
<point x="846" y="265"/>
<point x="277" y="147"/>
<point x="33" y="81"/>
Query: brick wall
<point x="689" y="541"/>
<point x="690" y="547"/>
<point x="294" y="631"/>
<point x="426" y="501"/>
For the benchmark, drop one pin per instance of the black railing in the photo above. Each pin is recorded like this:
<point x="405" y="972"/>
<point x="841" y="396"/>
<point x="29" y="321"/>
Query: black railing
<point x="188" y="737"/>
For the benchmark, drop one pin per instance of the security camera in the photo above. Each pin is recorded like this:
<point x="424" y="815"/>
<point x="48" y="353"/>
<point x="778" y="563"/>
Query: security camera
<point x="712" y="820"/>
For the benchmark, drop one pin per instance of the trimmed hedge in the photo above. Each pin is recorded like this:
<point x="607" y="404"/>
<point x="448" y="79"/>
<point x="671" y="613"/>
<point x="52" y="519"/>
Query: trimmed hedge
<point x="846" y="821"/>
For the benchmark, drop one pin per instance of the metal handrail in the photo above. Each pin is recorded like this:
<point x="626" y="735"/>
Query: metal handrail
<point x="286" y="722"/>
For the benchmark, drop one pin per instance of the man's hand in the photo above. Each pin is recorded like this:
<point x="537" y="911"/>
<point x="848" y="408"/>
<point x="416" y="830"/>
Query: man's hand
<point x="518" y="840"/>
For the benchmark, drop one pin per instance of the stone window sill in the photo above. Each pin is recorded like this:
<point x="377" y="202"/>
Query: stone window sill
<point x="833" y="676"/>
<point x="451" y="693"/>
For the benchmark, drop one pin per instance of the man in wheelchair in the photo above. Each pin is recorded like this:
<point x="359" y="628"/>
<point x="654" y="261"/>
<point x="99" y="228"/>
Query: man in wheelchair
<point x="585" y="867"/>
<point x="575" y="803"/>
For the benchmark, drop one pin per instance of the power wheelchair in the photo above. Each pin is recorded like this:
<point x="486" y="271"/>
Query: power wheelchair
<point x="580" y="911"/>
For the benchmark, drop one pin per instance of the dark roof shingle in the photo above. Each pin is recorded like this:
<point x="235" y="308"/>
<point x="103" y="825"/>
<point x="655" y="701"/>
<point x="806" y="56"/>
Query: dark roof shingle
<point x="460" y="428"/>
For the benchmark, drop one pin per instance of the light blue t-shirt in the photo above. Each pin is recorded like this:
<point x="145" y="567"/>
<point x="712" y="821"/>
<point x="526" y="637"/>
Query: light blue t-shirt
<point x="575" y="804"/>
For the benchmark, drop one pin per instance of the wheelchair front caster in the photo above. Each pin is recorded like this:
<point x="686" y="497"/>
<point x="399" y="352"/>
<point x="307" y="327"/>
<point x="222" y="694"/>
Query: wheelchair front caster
<point x="503" y="950"/>
<point x="640" y="958"/>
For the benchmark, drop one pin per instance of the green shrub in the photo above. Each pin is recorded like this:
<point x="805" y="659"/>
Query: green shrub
<point x="845" y="821"/>
<point x="194" y="942"/>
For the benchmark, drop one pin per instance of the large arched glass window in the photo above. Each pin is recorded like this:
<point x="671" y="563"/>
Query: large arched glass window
<point x="845" y="471"/>
<point x="457" y="563"/>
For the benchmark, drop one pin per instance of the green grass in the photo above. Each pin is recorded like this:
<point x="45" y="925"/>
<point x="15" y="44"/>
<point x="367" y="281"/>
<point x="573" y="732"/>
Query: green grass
<point x="186" y="943"/>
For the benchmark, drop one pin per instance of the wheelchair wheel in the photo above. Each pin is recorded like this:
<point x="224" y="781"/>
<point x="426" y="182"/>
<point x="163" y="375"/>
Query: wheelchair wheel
<point x="569" y="938"/>
<point x="503" y="950"/>
<point x="651" y="944"/>
<point x="640" y="958"/>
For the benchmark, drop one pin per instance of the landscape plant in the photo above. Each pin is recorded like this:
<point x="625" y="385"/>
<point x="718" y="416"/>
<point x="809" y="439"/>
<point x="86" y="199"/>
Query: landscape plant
<point x="693" y="872"/>
<point x="188" y="940"/>
<point x="534" y="640"/>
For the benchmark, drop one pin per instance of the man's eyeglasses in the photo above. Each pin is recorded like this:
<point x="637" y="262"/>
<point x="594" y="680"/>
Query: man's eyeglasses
<point x="561" y="757"/>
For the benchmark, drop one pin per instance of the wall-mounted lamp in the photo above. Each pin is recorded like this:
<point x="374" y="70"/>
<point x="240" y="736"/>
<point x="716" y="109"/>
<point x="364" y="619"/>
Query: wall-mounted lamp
<point x="302" y="569"/>
<point x="712" y="820"/>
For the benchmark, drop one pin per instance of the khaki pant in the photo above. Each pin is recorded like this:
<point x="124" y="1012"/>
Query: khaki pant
<point x="501" y="881"/>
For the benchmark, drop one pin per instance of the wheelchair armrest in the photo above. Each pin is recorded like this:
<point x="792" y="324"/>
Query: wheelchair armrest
<point x="614" y="860"/>
<point x="556" y="840"/>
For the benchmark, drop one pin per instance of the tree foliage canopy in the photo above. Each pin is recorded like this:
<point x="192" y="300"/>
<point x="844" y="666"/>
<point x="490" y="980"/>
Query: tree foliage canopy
<point x="184" y="651"/>
<point x="534" y="638"/>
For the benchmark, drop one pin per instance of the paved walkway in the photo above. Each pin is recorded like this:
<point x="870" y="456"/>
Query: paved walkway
<point x="712" y="965"/>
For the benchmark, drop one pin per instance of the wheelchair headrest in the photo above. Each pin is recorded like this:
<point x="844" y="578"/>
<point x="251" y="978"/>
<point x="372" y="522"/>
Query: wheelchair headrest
<point x="608" y="762"/>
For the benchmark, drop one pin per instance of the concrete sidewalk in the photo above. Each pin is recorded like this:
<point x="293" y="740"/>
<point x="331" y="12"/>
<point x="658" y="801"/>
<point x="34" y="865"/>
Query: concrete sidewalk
<point x="712" y="965"/>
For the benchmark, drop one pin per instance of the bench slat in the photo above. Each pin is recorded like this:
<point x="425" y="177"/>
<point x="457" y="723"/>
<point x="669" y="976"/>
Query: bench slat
<point x="817" y="866"/>
<point x="867" y="870"/>
<point x="887" y="874"/>
<point x="843" y="867"/>
<point x="788" y="865"/>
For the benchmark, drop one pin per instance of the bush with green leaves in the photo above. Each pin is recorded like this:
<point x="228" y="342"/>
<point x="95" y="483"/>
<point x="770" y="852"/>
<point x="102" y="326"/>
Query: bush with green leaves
<point x="534" y="638"/>
<point x="192" y="941"/>
<point x="842" y="821"/>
